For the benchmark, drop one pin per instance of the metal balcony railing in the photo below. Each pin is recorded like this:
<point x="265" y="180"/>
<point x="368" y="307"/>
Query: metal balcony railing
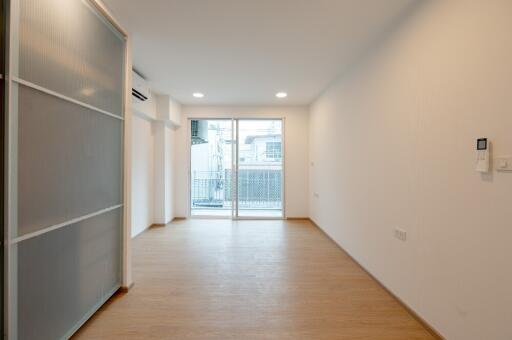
<point x="257" y="189"/>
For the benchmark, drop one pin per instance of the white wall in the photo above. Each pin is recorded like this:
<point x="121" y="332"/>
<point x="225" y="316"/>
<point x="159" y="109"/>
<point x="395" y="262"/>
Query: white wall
<point x="142" y="174"/>
<point x="296" y="155"/>
<point x="175" y="115"/>
<point x="392" y="143"/>
<point x="153" y="157"/>
<point x="170" y="164"/>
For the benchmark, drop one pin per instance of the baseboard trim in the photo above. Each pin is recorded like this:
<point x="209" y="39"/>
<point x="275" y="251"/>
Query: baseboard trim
<point x="149" y="227"/>
<point x="125" y="289"/>
<point x="178" y="218"/>
<point x="411" y="311"/>
<point x="298" y="218"/>
<point x="141" y="232"/>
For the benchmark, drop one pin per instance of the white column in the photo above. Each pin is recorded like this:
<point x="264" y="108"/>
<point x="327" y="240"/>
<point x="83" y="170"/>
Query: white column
<point x="166" y="109"/>
<point x="159" y="175"/>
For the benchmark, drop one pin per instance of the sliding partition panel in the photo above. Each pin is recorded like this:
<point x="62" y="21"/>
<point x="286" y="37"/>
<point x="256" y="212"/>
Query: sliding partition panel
<point x="63" y="275"/>
<point x="67" y="47"/>
<point x="69" y="161"/>
<point x="66" y="135"/>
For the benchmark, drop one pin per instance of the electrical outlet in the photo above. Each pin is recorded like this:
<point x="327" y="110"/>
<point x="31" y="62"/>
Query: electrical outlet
<point x="400" y="234"/>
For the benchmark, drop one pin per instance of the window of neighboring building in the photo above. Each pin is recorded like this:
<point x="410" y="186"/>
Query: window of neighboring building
<point x="273" y="150"/>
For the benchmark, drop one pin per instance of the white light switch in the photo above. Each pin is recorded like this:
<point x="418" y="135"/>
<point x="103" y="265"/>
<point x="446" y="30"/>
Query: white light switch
<point x="504" y="163"/>
<point x="400" y="234"/>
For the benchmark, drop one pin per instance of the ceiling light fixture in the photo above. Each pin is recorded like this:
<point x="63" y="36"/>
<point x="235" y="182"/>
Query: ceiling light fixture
<point x="281" y="94"/>
<point x="198" y="95"/>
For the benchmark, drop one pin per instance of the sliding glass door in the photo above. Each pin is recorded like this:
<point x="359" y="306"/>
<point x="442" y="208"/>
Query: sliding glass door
<point x="260" y="168"/>
<point x="211" y="167"/>
<point x="236" y="168"/>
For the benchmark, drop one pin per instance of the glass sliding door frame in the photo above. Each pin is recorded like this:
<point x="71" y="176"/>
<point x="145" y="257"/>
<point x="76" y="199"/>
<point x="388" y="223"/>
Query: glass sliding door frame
<point x="235" y="151"/>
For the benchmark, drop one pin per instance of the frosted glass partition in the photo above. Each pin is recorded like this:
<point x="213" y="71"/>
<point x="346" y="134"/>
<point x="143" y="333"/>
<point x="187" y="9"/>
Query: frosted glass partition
<point x="65" y="166"/>
<point x="62" y="275"/>
<point x="69" y="161"/>
<point x="66" y="47"/>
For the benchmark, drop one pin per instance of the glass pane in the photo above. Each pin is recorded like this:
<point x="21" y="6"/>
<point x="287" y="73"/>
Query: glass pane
<point x="69" y="161"/>
<point x="63" y="274"/>
<point x="211" y="167"/>
<point x="260" y="168"/>
<point x="66" y="47"/>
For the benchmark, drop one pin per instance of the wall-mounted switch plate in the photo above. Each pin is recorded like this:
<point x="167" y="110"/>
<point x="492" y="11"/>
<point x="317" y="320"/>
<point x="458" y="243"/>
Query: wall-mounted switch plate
<point x="503" y="163"/>
<point x="400" y="234"/>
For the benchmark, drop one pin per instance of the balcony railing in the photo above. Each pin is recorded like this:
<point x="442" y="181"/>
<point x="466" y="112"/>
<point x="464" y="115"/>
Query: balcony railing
<point x="257" y="189"/>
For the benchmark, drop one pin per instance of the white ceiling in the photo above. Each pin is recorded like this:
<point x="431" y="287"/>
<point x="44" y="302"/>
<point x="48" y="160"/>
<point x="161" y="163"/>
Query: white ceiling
<point x="244" y="51"/>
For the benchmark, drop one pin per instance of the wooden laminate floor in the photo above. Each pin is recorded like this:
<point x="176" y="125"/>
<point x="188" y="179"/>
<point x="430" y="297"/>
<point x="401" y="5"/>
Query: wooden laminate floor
<point x="220" y="279"/>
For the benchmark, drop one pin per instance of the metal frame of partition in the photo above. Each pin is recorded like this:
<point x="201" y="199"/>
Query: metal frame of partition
<point x="10" y="309"/>
<point x="235" y="170"/>
<point x="3" y="23"/>
<point x="11" y="237"/>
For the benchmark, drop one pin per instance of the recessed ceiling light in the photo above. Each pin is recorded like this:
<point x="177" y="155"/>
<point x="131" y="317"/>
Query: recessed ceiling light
<point x="281" y="94"/>
<point x="198" y="95"/>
